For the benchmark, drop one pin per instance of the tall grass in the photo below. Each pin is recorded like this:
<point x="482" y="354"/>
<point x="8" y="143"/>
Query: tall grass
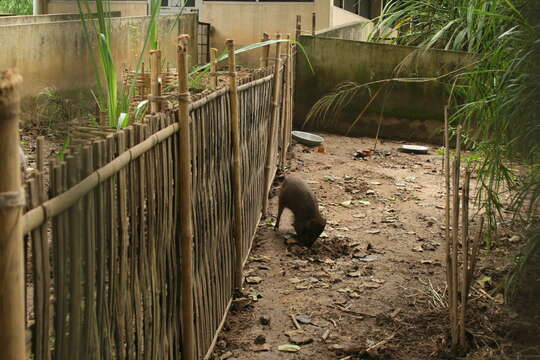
<point x="19" y="7"/>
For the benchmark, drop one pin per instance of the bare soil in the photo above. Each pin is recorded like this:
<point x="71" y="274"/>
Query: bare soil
<point x="372" y="287"/>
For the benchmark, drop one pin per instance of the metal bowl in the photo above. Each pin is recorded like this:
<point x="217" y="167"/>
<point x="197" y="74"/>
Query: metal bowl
<point x="414" y="149"/>
<point x="307" y="138"/>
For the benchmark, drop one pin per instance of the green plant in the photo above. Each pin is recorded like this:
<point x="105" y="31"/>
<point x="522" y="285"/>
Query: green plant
<point x="19" y="7"/>
<point x="62" y="150"/>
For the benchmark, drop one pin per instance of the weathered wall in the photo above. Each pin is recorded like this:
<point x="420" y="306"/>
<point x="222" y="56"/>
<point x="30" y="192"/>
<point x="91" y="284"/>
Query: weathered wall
<point x="55" y="54"/>
<point x="127" y="8"/>
<point x="411" y="111"/>
<point x="340" y="16"/>
<point x="355" y="30"/>
<point x="245" y="22"/>
<point x="38" y="19"/>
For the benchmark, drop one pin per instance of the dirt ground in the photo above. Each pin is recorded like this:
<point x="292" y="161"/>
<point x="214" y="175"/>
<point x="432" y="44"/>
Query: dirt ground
<point x="372" y="286"/>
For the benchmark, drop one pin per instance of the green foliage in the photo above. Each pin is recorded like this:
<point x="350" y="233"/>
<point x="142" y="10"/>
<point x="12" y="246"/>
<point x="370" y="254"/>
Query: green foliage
<point x="19" y="7"/>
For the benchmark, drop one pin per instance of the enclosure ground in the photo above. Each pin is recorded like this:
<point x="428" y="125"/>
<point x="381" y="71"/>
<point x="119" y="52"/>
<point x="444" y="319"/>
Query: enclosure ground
<point x="372" y="286"/>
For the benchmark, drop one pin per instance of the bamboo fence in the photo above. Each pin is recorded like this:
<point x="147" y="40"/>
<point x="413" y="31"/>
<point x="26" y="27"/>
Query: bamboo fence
<point x="104" y="227"/>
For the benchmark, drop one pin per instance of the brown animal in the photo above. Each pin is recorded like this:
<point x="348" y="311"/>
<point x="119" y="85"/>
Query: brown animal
<point x="296" y="196"/>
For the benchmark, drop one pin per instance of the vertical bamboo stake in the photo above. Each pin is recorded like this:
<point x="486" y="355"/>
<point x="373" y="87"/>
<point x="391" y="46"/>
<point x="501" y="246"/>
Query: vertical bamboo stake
<point x="266" y="51"/>
<point x="213" y="68"/>
<point x="236" y="163"/>
<point x="465" y="240"/>
<point x="186" y="225"/>
<point x="155" y="105"/>
<point x="285" y="125"/>
<point x="449" y="278"/>
<point x="455" y="234"/>
<point x="474" y="254"/>
<point x="298" y="26"/>
<point x="272" y="129"/>
<point x="313" y="23"/>
<point x="12" y="333"/>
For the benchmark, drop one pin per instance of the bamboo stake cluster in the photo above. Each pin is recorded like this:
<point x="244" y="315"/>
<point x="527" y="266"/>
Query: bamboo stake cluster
<point x="458" y="278"/>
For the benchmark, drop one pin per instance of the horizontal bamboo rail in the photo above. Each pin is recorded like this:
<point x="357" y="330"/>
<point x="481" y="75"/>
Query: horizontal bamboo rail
<point x="51" y="208"/>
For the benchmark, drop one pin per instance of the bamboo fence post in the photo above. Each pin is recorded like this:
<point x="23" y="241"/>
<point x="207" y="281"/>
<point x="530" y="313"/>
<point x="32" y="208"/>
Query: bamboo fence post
<point x="285" y="128"/>
<point x="213" y="68"/>
<point x="186" y="225"/>
<point x="313" y="23"/>
<point x="273" y="122"/>
<point x="455" y="234"/>
<point x="448" y="245"/>
<point x="465" y="251"/>
<point x="12" y="312"/>
<point x="266" y="51"/>
<point x="298" y="26"/>
<point x="236" y="163"/>
<point x="155" y="104"/>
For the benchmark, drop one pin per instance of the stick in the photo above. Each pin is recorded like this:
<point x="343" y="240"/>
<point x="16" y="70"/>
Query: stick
<point x="186" y="225"/>
<point x="298" y="27"/>
<point x="12" y="334"/>
<point x="273" y="123"/>
<point x="313" y="23"/>
<point x="213" y="68"/>
<point x="474" y="254"/>
<point x="236" y="164"/>
<point x="455" y="233"/>
<point x="286" y="118"/>
<point x="465" y="240"/>
<point x="155" y="55"/>
<point x="266" y="51"/>
<point x="295" y="322"/>
<point x="449" y="241"/>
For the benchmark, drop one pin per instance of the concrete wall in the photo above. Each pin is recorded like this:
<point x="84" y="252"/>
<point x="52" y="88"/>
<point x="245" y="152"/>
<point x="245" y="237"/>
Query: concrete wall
<point x="39" y="19"/>
<point x="356" y="30"/>
<point x="341" y="16"/>
<point x="245" y="22"/>
<point x="411" y="111"/>
<point x="55" y="54"/>
<point x="127" y="8"/>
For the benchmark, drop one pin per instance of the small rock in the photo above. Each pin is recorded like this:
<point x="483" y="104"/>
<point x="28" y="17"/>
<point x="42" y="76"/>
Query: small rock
<point x="298" y="337"/>
<point x="226" y="355"/>
<point x="370" y="192"/>
<point x="254" y="280"/>
<point x="303" y="319"/>
<point x="514" y="239"/>
<point x="373" y="231"/>
<point x="264" y="320"/>
<point x="260" y="339"/>
<point x="418" y="249"/>
<point x="289" y="348"/>
<point x="261" y="347"/>
<point x="369" y="258"/>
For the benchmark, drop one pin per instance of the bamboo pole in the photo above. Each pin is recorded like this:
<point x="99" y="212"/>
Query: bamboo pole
<point x="474" y="254"/>
<point x="465" y="266"/>
<point x="12" y="332"/>
<point x="313" y="23"/>
<point x="455" y="234"/>
<point x="155" y="55"/>
<point x="272" y="128"/>
<point x="298" y="27"/>
<point x="186" y="225"/>
<point x="213" y="68"/>
<point x="449" y="242"/>
<point x="265" y="51"/>
<point x="236" y="163"/>
<point x="286" y="120"/>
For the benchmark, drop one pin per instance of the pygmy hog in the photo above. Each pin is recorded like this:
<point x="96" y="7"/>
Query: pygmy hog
<point x="296" y="196"/>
